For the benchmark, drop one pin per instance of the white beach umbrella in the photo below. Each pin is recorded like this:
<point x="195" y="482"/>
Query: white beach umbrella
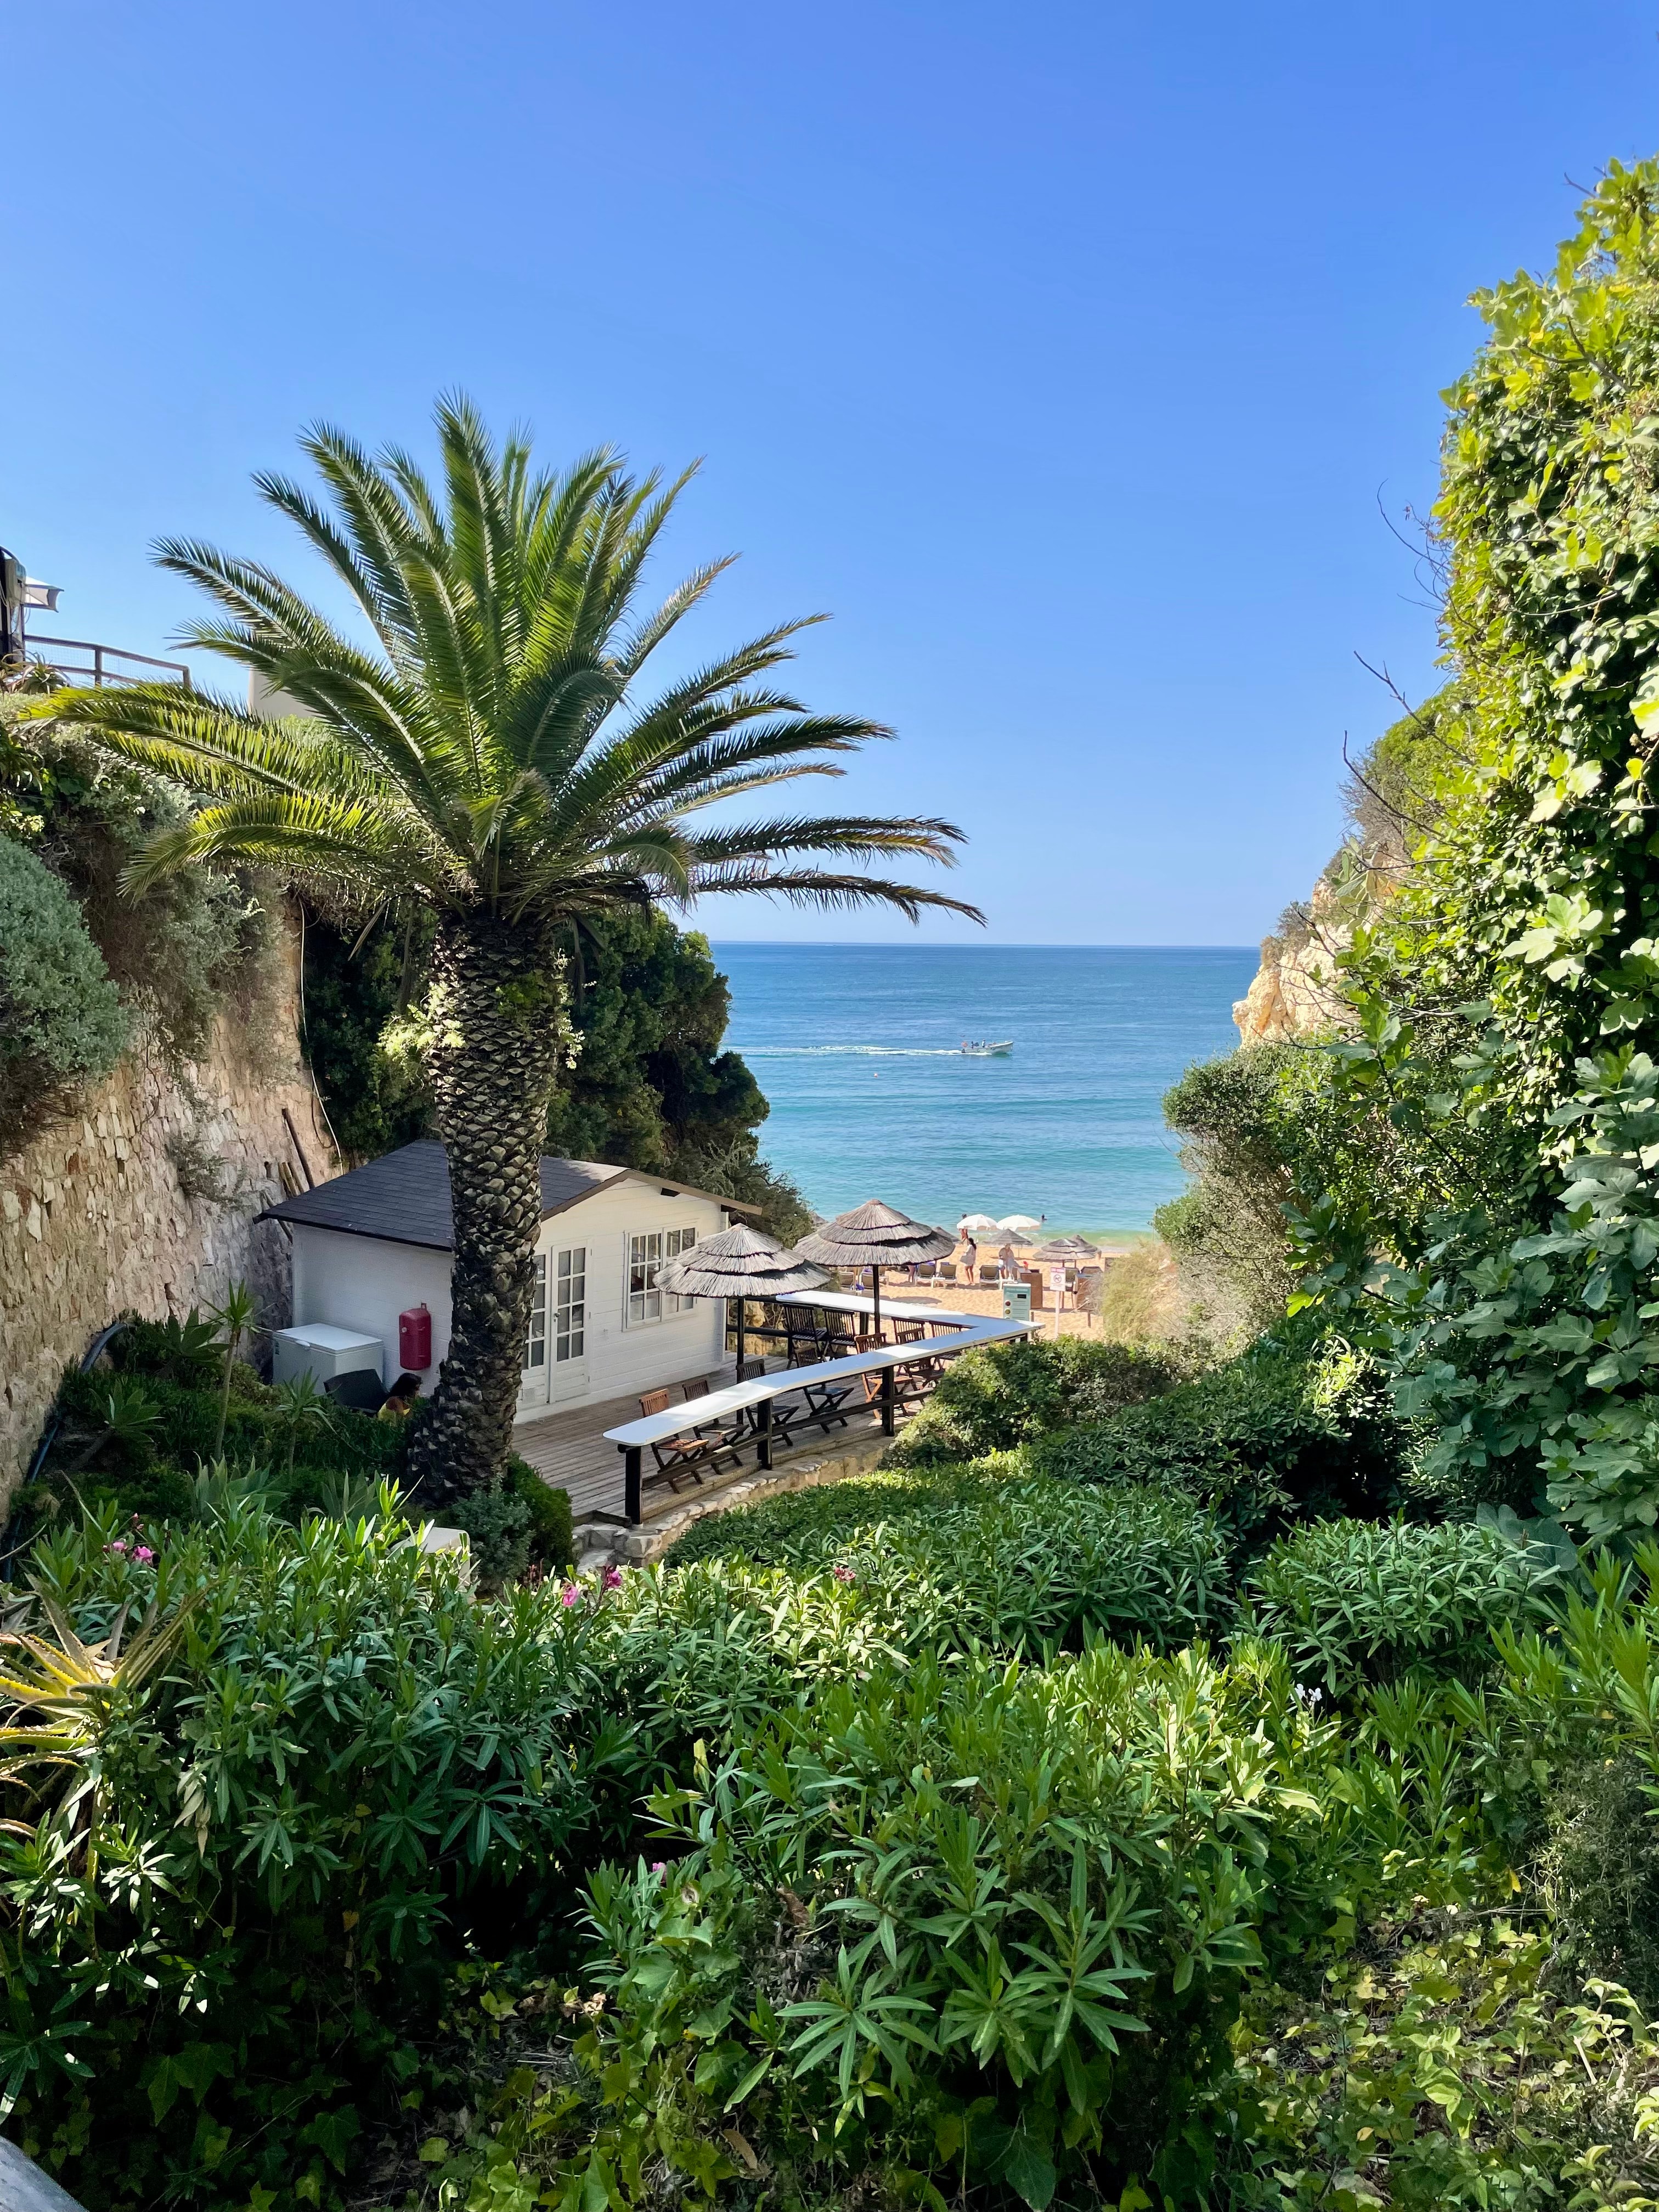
<point x="1018" y="1221"/>
<point x="974" y="1225"/>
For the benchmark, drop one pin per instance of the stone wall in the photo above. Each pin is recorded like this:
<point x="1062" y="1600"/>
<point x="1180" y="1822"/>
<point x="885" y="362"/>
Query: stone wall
<point x="142" y="1200"/>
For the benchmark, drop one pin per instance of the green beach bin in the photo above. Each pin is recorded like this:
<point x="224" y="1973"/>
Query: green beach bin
<point x="1016" y="1302"/>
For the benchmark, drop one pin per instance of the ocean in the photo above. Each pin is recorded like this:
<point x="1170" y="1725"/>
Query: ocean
<point x="857" y="1047"/>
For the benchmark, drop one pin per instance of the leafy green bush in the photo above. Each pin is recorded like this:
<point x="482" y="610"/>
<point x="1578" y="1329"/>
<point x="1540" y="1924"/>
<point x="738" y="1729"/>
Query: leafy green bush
<point x="551" y="1544"/>
<point x="950" y="1560"/>
<point x="1000" y="1395"/>
<point x="985" y="1926"/>
<point x="1437" y="2067"/>
<point x="182" y="950"/>
<point x="497" y="1523"/>
<point x="1352" y="1601"/>
<point x="1262" y="1438"/>
<point x="267" y="1848"/>
<point x="1598" y="1875"/>
<point x="61" y="1017"/>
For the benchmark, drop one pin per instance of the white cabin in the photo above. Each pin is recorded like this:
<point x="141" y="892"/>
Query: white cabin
<point x="372" y="1244"/>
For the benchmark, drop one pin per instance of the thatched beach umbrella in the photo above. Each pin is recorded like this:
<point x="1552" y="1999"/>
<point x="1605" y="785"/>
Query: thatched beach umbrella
<point x="1067" y="1247"/>
<point x="875" y="1236"/>
<point x="739" y="1263"/>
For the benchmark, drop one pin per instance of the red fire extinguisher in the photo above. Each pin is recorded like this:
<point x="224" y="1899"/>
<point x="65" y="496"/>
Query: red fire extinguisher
<point x="415" y="1339"/>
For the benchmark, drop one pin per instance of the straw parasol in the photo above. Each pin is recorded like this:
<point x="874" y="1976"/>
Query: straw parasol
<point x="1067" y="1247"/>
<point x="875" y="1236"/>
<point x="739" y="1263"/>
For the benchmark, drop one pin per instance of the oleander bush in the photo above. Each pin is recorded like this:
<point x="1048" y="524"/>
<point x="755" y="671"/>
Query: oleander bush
<point x="976" y="1929"/>
<point x="1355" y="1602"/>
<point x="963" y="1557"/>
<point x="222" y="1915"/>
<point x="1000" y="1395"/>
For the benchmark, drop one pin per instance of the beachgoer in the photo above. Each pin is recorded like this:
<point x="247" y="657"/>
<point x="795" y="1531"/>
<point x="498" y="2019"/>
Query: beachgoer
<point x="971" y="1262"/>
<point x="399" y="1401"/>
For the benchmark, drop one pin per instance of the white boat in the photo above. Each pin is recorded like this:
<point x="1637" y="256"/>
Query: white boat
<point x="976" y="1050"/>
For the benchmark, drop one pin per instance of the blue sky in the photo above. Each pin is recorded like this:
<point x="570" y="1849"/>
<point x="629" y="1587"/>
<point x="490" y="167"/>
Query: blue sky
<point x="1061" y="351"/>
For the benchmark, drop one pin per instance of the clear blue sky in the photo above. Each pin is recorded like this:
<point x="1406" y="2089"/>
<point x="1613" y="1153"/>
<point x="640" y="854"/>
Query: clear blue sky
<point x="1059" y="351"/>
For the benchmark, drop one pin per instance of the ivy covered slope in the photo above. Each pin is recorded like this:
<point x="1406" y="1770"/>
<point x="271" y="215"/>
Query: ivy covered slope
<point x="650" y="1086"/>
<point x="1502" y="1256"/>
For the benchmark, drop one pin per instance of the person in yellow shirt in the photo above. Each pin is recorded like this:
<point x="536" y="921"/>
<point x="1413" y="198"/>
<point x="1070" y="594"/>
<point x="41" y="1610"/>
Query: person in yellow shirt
<point x="400" y="1402"/>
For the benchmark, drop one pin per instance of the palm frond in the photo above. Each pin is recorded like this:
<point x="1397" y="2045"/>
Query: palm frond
<point x="819" y="887"/>
<point x="488" y="747"/>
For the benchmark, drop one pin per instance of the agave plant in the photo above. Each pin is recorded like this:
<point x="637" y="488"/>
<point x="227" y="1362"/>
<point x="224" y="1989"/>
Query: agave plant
<point x="494" y="754"/>
<point x="68" y="1691"/>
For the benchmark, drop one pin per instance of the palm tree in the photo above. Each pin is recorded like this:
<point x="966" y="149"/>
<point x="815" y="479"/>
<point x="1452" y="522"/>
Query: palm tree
<point x="490" y="754"/>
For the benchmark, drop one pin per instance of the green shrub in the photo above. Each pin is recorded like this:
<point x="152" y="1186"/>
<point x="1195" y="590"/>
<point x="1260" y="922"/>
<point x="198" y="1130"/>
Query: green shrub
<point x="1000" y="1395"/>
<point x="61" y="1018"/>
<point x="1436" y="2067"/>
<point x="1352" y="1601"/>
<point x="986" y="1928"/>
<point x="156" y="1476"/>
<point x="187" y="1353"/>
<point x="980" y="1557"/>
<point x="1263" y="1438"/>
<point x="1598" y="1873"/>
<point x="344" y="1763"/>
<point x="551" y="1544"/>
<point x="805" y="1528"/>
<point x="497" y="1523"/>
<point x="181" y="952"/>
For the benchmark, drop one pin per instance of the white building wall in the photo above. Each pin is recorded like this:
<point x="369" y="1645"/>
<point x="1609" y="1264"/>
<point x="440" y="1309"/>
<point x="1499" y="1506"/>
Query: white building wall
<point x="623" y="1360"/>
<point x="358" y="1282"/>
<point x="363" y="1283"/>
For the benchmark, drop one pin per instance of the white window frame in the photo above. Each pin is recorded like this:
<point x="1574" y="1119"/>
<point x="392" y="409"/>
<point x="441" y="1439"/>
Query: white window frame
<point x="563" y="1307"/>
<point x="535" y="1344"/>
<point x="644" y="1251"/>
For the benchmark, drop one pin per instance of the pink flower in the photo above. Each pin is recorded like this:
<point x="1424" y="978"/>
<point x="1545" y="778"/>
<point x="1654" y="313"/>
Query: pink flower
<point x="610" y="1579"/>
<point x="144" y="1554"/>
<point x="844" y="1574"/>
<point x="120" y="1545"/>
<point x="571" y="1593"/>
<point x="659" y="1867"/>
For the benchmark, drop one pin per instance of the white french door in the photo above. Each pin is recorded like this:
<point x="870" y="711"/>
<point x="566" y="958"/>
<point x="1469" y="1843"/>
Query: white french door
<point x="532" y="1383"/>
<point x="568" y="1291"/>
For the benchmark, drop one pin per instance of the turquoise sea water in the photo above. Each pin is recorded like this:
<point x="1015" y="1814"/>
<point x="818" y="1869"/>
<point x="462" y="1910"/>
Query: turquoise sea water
<point x="857" y="1047"/>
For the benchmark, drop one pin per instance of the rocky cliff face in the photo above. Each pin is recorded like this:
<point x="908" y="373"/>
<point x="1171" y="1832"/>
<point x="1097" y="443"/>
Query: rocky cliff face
<point x="1293" y="993"/>
<point x="143" y="1202"/>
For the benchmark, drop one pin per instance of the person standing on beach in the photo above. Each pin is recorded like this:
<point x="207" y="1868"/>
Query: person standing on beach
<point x="970" y="1261"/>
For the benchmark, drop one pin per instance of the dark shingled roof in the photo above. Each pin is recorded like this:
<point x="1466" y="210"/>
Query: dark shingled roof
<point x="404" y="1197"/>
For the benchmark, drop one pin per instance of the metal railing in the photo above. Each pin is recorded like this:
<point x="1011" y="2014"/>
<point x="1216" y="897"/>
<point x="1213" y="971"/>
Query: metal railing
<point x="101" y="667"/>
<point x="753" y="1400"/>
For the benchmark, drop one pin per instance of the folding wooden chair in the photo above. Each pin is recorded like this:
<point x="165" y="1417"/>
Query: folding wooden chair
<point x="687" y="1453"/>
<point x="727" y="1433"/>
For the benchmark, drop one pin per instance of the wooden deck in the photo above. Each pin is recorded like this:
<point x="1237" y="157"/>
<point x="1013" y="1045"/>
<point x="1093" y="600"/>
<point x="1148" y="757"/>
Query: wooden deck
<point x="570" y="1451"/>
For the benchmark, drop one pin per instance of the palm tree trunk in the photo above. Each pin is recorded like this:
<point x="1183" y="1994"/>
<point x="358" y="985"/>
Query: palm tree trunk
<point x="498" y="1014"/>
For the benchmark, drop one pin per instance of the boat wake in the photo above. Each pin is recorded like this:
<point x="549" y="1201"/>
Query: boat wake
<point x="863" y="1051"/>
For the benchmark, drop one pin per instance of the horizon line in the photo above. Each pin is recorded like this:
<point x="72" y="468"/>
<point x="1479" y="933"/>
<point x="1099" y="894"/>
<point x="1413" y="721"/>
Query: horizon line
<point x="990" y="944"/>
